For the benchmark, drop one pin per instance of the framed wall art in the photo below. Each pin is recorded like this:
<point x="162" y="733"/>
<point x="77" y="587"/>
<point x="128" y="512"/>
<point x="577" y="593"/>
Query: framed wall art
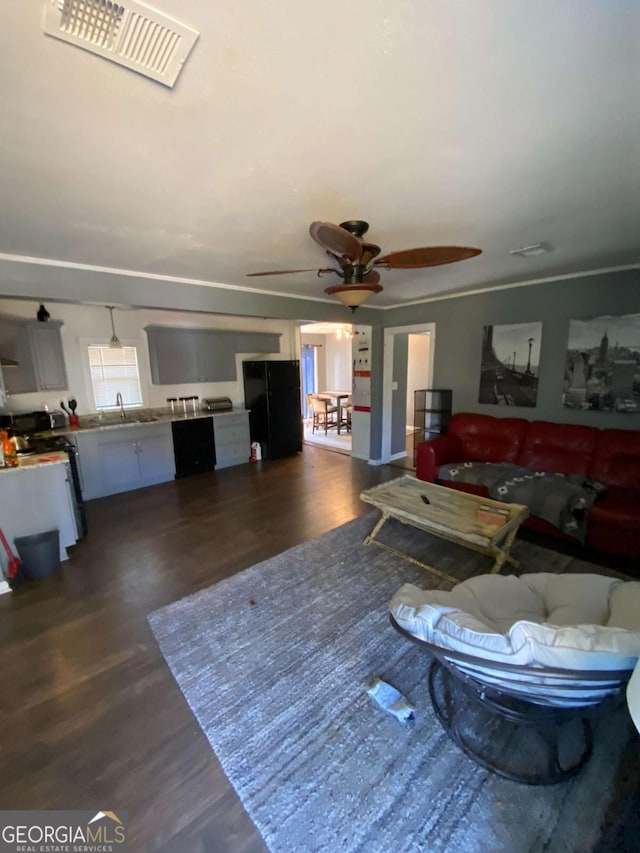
<point x="510" y="363"/>
<point x="602" y="367"/>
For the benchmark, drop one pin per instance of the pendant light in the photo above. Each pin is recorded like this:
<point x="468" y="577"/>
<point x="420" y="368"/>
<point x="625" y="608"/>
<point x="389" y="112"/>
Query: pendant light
<point x="114" y="343"/>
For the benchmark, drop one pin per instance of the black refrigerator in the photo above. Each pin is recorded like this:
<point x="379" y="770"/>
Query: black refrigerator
<point x="272" y="393"/>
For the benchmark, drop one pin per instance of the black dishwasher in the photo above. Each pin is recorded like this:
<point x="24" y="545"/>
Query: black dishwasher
<point x="193" y="446"/>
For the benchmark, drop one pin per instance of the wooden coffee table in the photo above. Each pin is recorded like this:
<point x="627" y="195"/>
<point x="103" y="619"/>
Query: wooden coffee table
<point x="446" y="513"/>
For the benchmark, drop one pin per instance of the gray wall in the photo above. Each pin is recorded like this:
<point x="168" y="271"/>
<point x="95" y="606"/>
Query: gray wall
<point x="458" y="342"/>
<point x="45" y="283"/>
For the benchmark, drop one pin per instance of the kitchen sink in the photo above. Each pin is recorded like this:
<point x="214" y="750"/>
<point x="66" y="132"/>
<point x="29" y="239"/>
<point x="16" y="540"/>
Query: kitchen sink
<point x="145" y="419"/>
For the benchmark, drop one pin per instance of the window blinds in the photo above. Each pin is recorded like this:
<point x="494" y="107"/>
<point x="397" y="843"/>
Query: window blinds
<point x="114" y="370"/>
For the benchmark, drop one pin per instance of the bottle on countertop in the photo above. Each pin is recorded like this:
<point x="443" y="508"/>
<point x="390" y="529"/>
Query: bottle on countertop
<point x="9" y="455"/>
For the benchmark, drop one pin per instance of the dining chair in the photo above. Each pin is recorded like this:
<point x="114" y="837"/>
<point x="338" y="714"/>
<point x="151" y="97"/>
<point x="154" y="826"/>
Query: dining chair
<point x="324" y="415"/>
<point x="309" y="412"/>
<point x="347" y="406"/>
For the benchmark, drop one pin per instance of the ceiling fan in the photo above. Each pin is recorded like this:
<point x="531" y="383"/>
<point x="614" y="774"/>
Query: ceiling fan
<point x="357" y="260"/>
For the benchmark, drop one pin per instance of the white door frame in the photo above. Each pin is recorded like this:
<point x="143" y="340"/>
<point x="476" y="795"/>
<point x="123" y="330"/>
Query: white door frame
<point x="387" y="376"/>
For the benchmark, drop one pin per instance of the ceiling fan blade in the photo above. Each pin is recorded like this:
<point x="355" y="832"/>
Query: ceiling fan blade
<point x="337" y="240"/>
<point x="429" y="256"/>
<point x="287" y="272"/>
<point x="369" y="252"/>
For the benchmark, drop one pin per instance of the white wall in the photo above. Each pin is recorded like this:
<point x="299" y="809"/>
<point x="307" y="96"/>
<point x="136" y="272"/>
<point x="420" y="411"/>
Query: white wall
<point x="84" y="324"/>
<point x="338" y="364"/>
<point x="417" y="369"/>
<point x="333" y="359"/>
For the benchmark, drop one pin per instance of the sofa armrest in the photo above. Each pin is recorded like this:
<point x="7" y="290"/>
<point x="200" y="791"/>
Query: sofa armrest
<point x="434" y="453"/>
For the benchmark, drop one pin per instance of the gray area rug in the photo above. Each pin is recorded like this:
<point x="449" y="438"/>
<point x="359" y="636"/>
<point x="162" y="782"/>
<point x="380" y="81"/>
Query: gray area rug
<point x="273" y="662"/>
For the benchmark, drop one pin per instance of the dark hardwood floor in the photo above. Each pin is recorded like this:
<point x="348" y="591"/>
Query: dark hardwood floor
<point x="90" y="715"/>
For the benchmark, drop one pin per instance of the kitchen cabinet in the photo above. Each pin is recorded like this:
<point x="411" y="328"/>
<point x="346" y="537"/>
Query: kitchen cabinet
<point x="181" y="356"/>
<point x="48" y="358"/>
<point x="233" y="444"/>
<point x="37" y="347"/>
<point x="121" y="458"/>
<point x="126" y="458"/>
<point x="15" y="344"/>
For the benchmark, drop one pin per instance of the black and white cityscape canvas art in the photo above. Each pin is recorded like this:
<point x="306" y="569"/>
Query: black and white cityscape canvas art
<point x="510" y="362"/>
<point x="602" y="369"/>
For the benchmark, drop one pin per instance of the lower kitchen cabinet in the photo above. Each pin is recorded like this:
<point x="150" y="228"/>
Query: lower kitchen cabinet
<point x="233" y="443"/>
<point x="119" y="460"/>
<point x="123" y="458"/>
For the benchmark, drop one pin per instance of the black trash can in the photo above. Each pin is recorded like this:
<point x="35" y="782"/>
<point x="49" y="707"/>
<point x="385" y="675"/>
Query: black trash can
<point x="39" y="553"/>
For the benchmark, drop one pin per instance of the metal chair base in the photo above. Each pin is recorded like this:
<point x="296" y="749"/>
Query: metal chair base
<point x="555" y="743"/>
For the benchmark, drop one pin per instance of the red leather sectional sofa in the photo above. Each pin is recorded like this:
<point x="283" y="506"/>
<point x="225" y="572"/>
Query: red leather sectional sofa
<point x="610" y="456"/>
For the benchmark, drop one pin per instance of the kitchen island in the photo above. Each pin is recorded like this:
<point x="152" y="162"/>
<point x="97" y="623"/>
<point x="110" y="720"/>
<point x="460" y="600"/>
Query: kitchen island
<point x="36" y="497"/>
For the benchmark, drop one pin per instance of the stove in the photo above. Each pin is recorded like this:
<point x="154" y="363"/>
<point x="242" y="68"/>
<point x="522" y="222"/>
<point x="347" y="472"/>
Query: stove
<point x="38" y="445"/>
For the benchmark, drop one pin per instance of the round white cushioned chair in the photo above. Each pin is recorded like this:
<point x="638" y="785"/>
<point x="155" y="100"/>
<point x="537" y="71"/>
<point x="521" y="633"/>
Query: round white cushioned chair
<point x="535" y="655"/>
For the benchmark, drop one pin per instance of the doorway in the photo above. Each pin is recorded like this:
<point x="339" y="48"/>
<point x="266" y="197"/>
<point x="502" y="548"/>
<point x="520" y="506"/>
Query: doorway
<point x="327" y="365"/>
<point x="408" y="366"/>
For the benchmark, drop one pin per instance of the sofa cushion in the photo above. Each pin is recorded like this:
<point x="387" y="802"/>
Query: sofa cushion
<point x="487" y="439"/>
<point x="557" y="448"/>
<point x="617" y="508"/>
<point x="616" y="460"/>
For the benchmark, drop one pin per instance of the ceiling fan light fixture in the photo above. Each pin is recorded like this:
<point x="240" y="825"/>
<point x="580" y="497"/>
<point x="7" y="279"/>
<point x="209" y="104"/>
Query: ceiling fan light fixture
<point x="115" y="342"/>
<point x="353" y="295"/>
<point x="344" y="333"/>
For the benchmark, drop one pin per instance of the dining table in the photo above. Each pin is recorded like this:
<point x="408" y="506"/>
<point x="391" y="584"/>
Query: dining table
<point x="339" y="397"/>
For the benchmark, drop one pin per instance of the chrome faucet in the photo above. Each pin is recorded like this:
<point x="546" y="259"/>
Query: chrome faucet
<point x="121" y="404"/>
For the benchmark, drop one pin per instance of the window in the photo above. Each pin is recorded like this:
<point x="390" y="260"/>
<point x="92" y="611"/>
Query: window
<point x="114" y="370"/>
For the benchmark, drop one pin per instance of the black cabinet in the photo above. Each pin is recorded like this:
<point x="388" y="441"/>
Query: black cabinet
<point x="431" y="414"/>
<point x="272" y="393"/>
<point x="193" y="446"/>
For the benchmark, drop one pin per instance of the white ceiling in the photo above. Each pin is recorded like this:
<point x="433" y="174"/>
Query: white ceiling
<point x="493" y="124"/>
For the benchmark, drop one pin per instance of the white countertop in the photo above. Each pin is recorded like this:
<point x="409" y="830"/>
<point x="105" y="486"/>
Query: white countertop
<point x="37" y="460"/>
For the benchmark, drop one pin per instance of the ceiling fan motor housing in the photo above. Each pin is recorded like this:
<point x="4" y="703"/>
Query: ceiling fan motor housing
<point x="357" y="227"/>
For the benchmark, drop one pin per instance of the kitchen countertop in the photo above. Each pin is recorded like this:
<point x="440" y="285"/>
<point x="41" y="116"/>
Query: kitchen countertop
<point x="37" y="460"/>
<point x="140" y="419"/>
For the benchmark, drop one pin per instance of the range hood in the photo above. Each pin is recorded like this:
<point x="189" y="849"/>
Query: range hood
<point x="8" y="362"/>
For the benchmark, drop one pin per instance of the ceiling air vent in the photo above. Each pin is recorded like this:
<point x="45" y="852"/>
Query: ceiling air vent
<point x="129" y="33"/>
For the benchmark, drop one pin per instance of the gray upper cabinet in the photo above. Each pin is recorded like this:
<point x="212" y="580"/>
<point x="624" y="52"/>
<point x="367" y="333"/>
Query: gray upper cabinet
<point x="217" y="356"/>
<point x="37" y="347"/>
<point x="179" y="356"/>
<point x="173" y="354"/>
<point x="48" y="359"/>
